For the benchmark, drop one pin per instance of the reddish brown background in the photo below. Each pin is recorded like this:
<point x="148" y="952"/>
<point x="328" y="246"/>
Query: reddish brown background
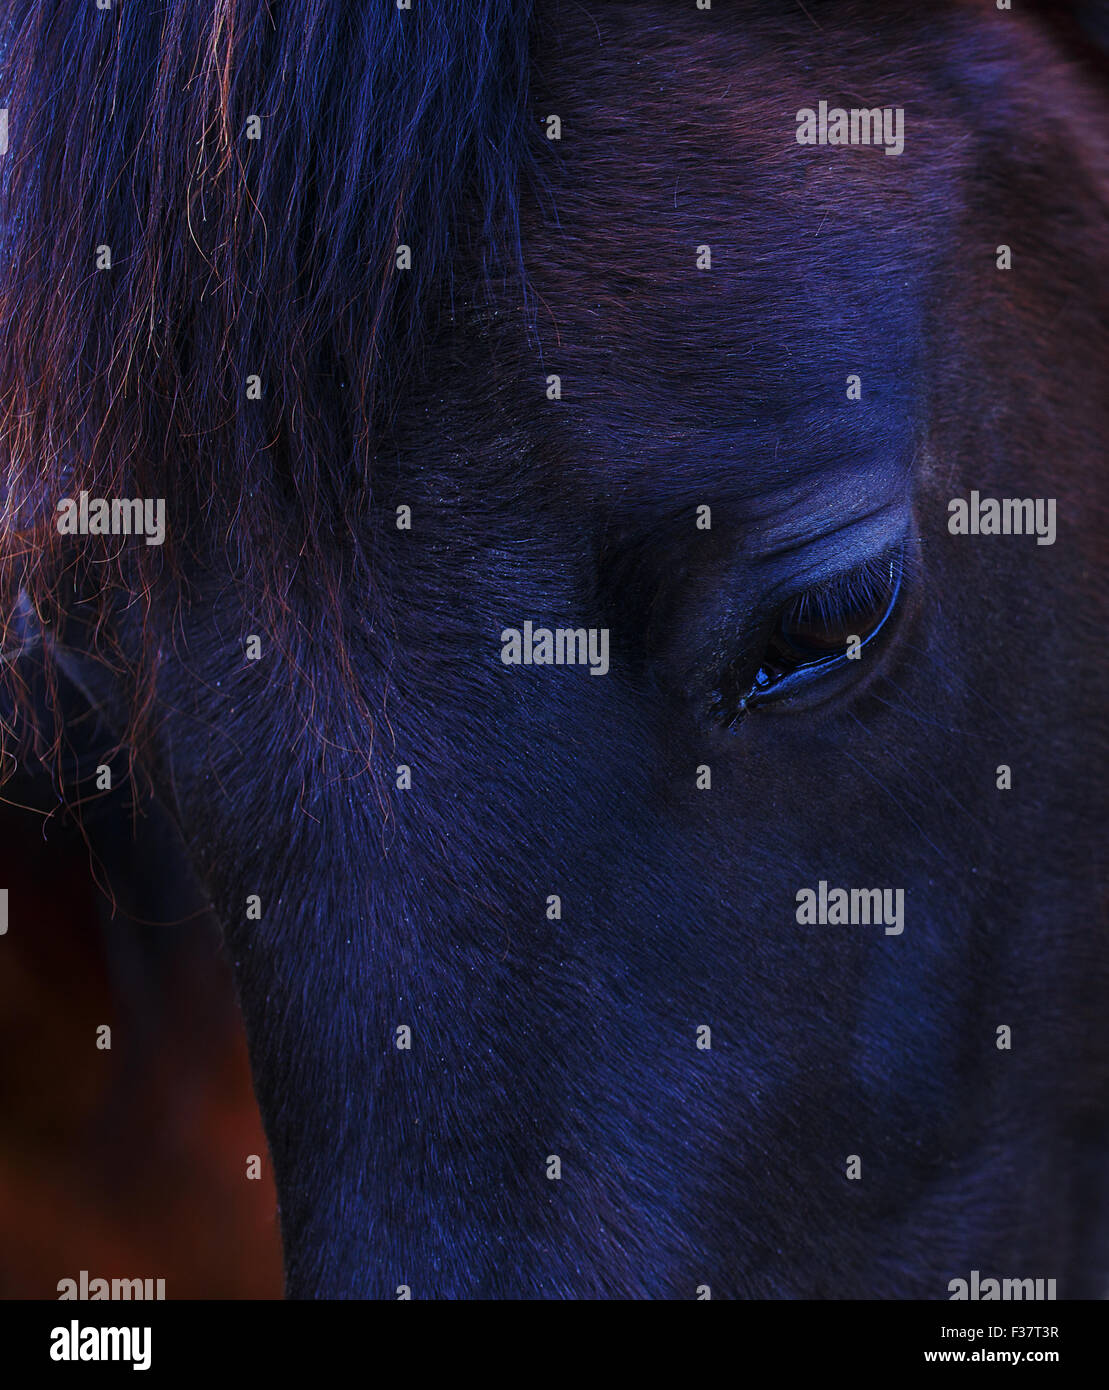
<point x="129" y="1163"/>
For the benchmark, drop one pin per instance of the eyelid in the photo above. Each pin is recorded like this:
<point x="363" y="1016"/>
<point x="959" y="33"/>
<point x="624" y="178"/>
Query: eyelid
<point x="836" y="572"/>
<point x="824" y="525"/>
<point x="815" y="564"/>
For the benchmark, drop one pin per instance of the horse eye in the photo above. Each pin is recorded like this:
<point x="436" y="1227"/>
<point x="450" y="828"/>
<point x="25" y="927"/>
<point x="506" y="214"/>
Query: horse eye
<point x="825" y="628"/>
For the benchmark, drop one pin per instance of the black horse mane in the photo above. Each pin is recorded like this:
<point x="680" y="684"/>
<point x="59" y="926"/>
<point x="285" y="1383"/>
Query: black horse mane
<point x="232" y="257"/>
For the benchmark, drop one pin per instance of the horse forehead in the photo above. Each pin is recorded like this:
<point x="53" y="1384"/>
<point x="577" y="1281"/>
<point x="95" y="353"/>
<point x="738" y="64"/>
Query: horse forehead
<point x="693" y="263"/>
<point x="670" y="123"/>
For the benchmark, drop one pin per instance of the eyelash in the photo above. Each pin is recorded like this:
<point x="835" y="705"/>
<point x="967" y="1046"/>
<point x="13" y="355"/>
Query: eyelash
<point x="839" y="598"/>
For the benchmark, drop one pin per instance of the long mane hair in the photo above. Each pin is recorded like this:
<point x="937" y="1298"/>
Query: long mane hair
<point x="231" y="257"/>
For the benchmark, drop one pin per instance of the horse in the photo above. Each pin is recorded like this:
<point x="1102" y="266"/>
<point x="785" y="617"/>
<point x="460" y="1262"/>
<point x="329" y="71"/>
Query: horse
<point x="585" y="519"/>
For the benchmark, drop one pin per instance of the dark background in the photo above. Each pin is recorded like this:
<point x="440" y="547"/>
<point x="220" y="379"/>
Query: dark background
<point x="128" y="1163"/>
